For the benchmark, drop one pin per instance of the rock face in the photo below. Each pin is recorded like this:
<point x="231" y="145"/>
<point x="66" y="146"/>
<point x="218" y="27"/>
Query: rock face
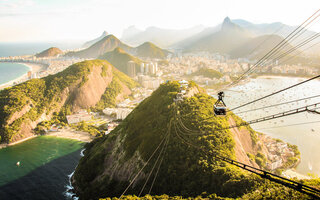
<point x="184" y="131"/>
<point x="80" y="86"/>
<point x="51" y="52"/>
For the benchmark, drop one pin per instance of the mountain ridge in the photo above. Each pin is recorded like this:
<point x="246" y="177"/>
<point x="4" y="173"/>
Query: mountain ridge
<point x="91" y="42"/>
<point x="108" y="43"/>
<point x="80" y="86"/>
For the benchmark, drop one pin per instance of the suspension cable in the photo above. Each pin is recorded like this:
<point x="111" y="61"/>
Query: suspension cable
<point x="288" y="125"/>
<point x="279" y="104"/>
<point x="275" y="116"/>
<point x="160" y="154"/>
<point x="142" y="167"/>
<point x="277" y="47"/>
<point x="279" y="91"/>
<point x="262" y="173"/>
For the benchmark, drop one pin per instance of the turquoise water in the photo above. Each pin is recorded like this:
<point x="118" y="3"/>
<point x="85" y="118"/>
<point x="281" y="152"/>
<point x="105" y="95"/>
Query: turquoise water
<point x="45" y="165"/>
<point x="32" y="154"/>
<point x="11" y="71"/>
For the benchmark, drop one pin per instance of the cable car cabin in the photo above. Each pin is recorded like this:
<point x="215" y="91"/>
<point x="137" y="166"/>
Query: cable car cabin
<point x="220" y="110"/>
<point x="220" y="107"/>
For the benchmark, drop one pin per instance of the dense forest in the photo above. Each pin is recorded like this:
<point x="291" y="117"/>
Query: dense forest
<point x="113" y="161"/>
<point x="25" y="105"/>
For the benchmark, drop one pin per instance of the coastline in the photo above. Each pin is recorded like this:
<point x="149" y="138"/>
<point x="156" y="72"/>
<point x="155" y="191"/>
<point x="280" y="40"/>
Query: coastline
<point x="17" y="142"/>
<point x="72" y="134"/>
<point x="62" y="133"/>
<point x="33" y="67"/>
<point x="292" y="173"/>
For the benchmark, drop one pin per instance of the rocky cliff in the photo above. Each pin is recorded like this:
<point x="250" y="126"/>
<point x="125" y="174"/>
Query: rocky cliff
<point x="80" y="86"/>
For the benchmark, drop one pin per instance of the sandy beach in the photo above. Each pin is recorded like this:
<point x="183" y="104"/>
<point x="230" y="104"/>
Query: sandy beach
<point x="72" y="134"/>
<point x="34" y="67"/>
<point x="62" y="133"/>
<point x="291" y="173"/>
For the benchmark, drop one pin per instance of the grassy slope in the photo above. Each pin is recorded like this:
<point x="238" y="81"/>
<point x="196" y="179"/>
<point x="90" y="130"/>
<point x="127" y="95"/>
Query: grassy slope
<point x="185" y="170"/>
<point x="150" y="50"/>
<point x="43" y="94"/>
<point x="206" y="72"/>
<point x="119" y="58"/>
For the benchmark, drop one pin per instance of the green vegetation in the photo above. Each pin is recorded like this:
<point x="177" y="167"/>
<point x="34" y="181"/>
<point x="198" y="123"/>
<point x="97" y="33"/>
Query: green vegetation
<point x="119" y="58"/>
<point x="106" y="44"/>
<point x="108" y="99"/>
<point x="207" y="72"/>
<point x="53" y="51"/>
<point x="111" y="161"/>
<point x="37" y="96"/>
<point x="83" y="126"/>
<point x="27" y="102"/>
<point x="261" y="160"/>
<point x="186" y="171"/>
<point x="150" y="50"/>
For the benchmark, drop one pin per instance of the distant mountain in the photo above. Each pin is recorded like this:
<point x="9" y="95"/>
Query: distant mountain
<point x="51" y="52"/>
<point x="257" y="47"/>
<point x="129" y="33"/>
<point x="161" y="37"/>
<point x="191" y="40"/>
<point x="226" y="39"/>
<point x="108" y="43"/>
<point x="119" y="59"/>
<point x="91" y="42"/>
<point x="150" y="50"/>
<point x="280" y="29"/>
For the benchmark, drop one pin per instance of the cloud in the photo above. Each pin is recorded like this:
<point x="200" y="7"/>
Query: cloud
<point x="15" y="4"/>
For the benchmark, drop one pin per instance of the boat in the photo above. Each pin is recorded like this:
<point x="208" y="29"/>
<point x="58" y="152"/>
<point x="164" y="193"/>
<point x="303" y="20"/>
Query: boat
<point x="18" y="163"/>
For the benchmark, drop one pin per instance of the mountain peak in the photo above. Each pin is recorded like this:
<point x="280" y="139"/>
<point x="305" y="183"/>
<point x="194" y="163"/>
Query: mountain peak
<point x="105" y="33"/>
<point x="228" y="25"/>
<point x="226" y="20"/>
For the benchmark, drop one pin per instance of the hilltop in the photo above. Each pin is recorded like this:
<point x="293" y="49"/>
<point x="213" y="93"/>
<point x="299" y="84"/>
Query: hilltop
<point x="106" y="44"/>
<point x="119" y="58"/>
<point x="207" y="72"/>
<point x="83" y="85"/>
<point x="91" y="42"/>
<point x="112" y="162"/>
<point x="150" y="50"/>
<point x="51" y="52"/>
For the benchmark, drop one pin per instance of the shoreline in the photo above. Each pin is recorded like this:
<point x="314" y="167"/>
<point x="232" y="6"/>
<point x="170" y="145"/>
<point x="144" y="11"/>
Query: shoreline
<point x="66" y="133"/>
<point x="17" y="142"/>
<point x="72" y="134"/>
<point x="33" y="67"/>
<point x="292" y="173"/>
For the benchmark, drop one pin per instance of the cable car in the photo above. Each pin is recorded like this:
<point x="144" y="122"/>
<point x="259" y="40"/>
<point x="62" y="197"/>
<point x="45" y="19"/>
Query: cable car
<point x="220" y="107"/>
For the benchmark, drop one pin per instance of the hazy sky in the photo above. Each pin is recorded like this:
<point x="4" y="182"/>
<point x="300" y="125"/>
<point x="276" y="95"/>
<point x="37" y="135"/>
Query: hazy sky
<point x="43" y="20"/>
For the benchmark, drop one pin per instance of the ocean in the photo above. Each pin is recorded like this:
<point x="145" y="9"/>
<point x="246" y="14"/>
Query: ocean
<point x="19" y="49"/>
<point x="11" y="71"/>
<point x="45" y="163"/>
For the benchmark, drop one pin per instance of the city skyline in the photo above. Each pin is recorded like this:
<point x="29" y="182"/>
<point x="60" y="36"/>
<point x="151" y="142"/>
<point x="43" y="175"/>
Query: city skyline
<point x="46" y="20"/>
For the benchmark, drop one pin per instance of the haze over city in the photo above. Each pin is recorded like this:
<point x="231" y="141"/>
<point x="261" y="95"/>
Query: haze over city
<point x="52" y="20"/>
<point x="161" y="100"/>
